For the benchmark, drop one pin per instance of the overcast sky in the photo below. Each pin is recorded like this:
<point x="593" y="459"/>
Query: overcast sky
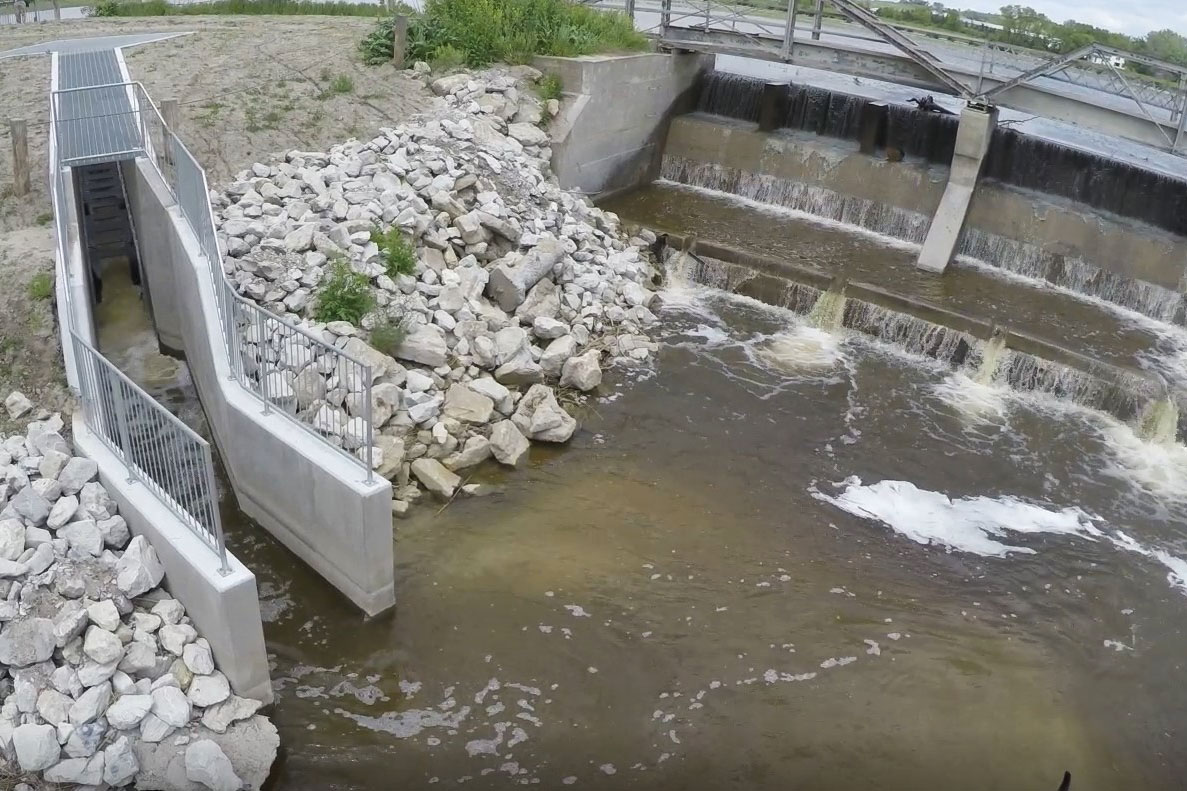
<point x="1135" y="17"/>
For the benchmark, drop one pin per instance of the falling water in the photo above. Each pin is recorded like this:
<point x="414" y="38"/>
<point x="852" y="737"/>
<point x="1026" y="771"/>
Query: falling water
<point x="1014" y="157"/>
<point x="829" y="311"/>
<point x="993" y="352"/>
<point x="1105" y="388"/>
<point x="1159" y="421"/>
<point x="1020" y="258"/>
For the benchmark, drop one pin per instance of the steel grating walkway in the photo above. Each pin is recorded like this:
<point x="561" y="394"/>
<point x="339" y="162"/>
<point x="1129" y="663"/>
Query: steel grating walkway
<point x="97" y="125"/>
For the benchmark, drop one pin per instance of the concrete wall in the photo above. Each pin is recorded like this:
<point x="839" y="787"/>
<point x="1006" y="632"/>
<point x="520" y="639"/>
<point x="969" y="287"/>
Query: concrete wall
<point x="226" y="609"/>
<point x="610" y="133"/>
<point x="314" y="500"/>
<point x="1111" y="243"/>
<point x="152" y="239"/>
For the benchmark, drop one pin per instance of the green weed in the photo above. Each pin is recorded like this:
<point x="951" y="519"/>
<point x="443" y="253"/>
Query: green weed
<point x="345" y="295"/>
<point x="388" y="335"/>
<point x="398" y="255"/>
<point x="41" y="286"/>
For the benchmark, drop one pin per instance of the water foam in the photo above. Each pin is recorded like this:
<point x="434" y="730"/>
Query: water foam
<point x="972" y="524"/>
<point x="801" y="347"/>
<point x="969" y="524"/>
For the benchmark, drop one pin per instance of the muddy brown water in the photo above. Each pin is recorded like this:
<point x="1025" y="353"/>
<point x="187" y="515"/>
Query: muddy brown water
<point x="663" y="604"/>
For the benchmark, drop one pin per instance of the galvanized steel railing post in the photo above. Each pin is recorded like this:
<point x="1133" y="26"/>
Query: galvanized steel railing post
<point x="370" y="428"/>
<point x="263" y="364"/>
<point x="121" y="419"/>
<point x="216" y="521"/>
<point x="630" y="9"/>
<point x="789" y="29"/>
<point x="665" y="17"/>
<point x="817" y="19"/>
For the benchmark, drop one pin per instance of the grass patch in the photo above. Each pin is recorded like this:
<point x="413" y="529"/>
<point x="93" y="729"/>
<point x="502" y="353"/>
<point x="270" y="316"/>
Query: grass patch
<point x="41" y="287"/>
<point x="447" y="58"/>
<point x="338" y="86"/>
<point x="549" y="87"/>
<point x="135" y="8"/>
<point x="45" y="218"/>
<point x="507" y="30"/>
<point x="345" y="295"/>
<point x="398" y="256"/>
<point x="388" y="334"/>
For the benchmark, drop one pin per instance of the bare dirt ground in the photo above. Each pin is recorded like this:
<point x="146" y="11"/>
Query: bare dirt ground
<point x="247" y="87"/>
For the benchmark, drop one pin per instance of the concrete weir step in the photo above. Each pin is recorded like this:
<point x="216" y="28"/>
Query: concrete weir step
<point x="924" y="326"/>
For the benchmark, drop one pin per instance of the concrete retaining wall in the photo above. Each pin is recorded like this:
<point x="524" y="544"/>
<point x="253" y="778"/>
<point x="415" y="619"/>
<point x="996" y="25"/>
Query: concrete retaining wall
<point x="610" y="133"/>
<point x="1057" y="227"/>
<point x="314" y="500"/>
<point x="226" y="609"/>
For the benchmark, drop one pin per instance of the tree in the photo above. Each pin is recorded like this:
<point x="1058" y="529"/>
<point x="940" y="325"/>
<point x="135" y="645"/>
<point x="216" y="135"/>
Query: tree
<point x="1167" y="45"/>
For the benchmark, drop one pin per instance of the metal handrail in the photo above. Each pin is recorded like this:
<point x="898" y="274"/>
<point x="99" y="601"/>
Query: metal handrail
<point x="160" y="457"/>
<point x="235" y="309"/>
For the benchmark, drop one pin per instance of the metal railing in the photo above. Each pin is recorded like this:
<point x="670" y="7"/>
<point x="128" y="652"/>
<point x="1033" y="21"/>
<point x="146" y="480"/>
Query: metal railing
<point x="157" y="449"/>
<point x="285" y="366"/>
<point x="268" y="355"/>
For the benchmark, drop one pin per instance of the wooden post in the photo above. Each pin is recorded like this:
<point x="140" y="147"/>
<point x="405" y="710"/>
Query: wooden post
<point x="399" y="41"/>
<point x="20" y="156"/>
<point x="171" y="112"/>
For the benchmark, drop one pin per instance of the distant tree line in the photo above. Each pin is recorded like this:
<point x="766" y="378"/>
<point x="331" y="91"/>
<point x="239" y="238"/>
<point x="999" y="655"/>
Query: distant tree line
<point x="1023" y="26"/>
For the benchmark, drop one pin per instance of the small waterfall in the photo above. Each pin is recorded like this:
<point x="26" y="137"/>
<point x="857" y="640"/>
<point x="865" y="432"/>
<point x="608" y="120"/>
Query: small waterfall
<point x="730" y="95"/>
<point x="1158" y="422"/>
<point x="928" y="135"/>
<point x="821" y="202"/>
<point x="993" y="351"/>
<point x="829" y="311"/>
<point x="1101" y="387"/>
<point x="1082" y="176"/>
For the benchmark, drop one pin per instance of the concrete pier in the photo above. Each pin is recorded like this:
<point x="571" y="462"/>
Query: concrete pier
<point x="972" y="144"/>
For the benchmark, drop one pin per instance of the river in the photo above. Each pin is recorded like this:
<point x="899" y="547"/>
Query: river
<point x="686" y="596"/>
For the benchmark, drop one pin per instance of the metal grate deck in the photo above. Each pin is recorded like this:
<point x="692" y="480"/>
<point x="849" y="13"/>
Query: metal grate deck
<point x="97" y="125"/>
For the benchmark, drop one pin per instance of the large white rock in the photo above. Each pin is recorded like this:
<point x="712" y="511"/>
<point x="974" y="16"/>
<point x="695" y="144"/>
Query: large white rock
<point x="557" y="353"/>
<point x="84" y="536"/>
<point x="175" y="637"/>
<point x="540" y="417"/>
<point x="27" y="642"/>
<point x="582" y="372"/>
<point x="508" y="444"/>
<point x="104" y="614"/>
<point x="17" y="405"/>
<point x="425" y="344"/>
<point x="475" y="451"/>
<point x="206" y="763"/>
<point x="198" y="659"/>
<point x="435" y="477"/>
<point x="12" y="539"/>
<point x="91" y="704"/>
<point x="496" y="392"/>
<point x="94" y="501"/>
<point x="528" y="134"/>
<point x="36" y="746"/>
<point x="54" y="706"/>
<point x="129" y="710"/>
<point x="139" y="570"/>
<point x="102" y="646"/>
<point x="512" y="278"/>
<point x="77" y="473"/>
<point x="171" y="706"/>
<point x="31" y="506"/>
<point x="466" y="404"/>
<point x="76" y="772"/>
<point x="208" y="690"/>
<point x="119" y="762"/>
<point x="62" y="512"/>
<point x="220" y="716"/>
